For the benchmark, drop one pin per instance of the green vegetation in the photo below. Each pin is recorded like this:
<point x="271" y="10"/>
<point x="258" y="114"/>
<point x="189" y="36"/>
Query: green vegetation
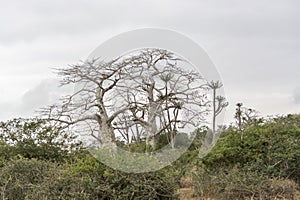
<point x="39" y="161"/>
<point x="259" y="160"/>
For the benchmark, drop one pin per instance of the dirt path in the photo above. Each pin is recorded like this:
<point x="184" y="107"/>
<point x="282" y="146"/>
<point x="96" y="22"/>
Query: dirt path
<point x="186" y="194"/>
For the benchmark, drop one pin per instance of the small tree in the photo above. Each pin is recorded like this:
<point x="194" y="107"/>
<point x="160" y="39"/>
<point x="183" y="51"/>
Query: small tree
<point x="244" y="116"/>
<point x="219" y="103"/>
<point x="238" y="115"/>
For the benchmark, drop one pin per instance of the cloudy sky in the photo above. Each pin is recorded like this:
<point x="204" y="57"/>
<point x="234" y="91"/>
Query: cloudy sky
<point x="254" y="44"/>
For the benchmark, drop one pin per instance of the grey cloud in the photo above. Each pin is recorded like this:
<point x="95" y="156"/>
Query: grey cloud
<point x="31" y="19"/>
<point x="297" y="96"/>
<point x="8" y="110"/>
<point x="26" y="21"/>
<point x="45" y="93"/>
<point x="255" y="44"/>
<point x="39" y="96"/>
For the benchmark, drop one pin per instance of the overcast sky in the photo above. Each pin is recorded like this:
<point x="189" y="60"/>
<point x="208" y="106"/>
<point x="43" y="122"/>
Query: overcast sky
<point x="254" y="44"/>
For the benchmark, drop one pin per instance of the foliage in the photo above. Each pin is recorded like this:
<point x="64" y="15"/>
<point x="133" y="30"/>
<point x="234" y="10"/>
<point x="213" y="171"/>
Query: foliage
<point x="240" y="183"/>
<point x="263" y="164"/>
<point x="155" y="185"/>
<point x="85" y="179"/>
<point x="36" y="138"/>
<point x="271" y="147"/>
<point x="20" y="177"/>
<point x="259" y="162"/>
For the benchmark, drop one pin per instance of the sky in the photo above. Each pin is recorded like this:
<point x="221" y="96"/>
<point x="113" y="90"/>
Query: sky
<point x="255" y="46"/>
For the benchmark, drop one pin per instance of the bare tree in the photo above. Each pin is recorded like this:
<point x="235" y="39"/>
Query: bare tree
<point x="89" y="106"/>
<point x="218" y="102"/>
<point x="141" y="95"/>
<point x="238" y="115"/>
<point x="244" y="116"/>
<point x="164" y="98"/>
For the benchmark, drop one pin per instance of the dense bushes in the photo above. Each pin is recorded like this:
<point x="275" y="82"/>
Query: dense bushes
<point x="239" y="183"/>
<point x="273" y="148"/>
<point x="36" y="138"/>
<point x="261" y="161"/>
<point x="85" y="179"/>
<point x="20" y="177"/>
<point x="38" y="161"/>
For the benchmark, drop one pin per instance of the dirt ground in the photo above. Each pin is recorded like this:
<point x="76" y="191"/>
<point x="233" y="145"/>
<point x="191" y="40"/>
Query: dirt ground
<point x="186" y="194"/>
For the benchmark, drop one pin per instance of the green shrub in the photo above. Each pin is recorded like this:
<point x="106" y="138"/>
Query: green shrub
<point x="85" y="179"/>
<point x="36" y="138"/>
<point x="271" y="148"/>
<point x="239" y="183"/>
<point x="19" y="177"/>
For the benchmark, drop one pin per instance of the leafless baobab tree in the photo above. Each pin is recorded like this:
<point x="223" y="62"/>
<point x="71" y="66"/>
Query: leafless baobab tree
<point x="89" y="105"/>
<point x="138" y="96"/>
<point x="163" y="96"/>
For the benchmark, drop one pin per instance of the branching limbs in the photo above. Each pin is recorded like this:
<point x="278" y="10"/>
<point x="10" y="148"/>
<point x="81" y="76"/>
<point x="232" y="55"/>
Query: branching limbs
<point x="138" y="96"/>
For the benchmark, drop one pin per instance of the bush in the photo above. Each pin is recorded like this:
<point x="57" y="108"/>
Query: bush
<point x="238" y="183"/>
<point x="271" y="148"/>
<point x="19" y="177"/>
<point x="85" y="179"/>
<point x="36" y="138"/>
<point x="261" y="161"/>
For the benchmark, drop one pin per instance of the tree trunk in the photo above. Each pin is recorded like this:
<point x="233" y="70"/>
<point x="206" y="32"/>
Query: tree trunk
<point x="151" y="129"/>
<point x="214" y="117"/>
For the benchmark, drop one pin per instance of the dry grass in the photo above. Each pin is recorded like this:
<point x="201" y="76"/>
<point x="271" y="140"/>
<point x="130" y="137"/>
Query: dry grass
<point x="278" y="190"/>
